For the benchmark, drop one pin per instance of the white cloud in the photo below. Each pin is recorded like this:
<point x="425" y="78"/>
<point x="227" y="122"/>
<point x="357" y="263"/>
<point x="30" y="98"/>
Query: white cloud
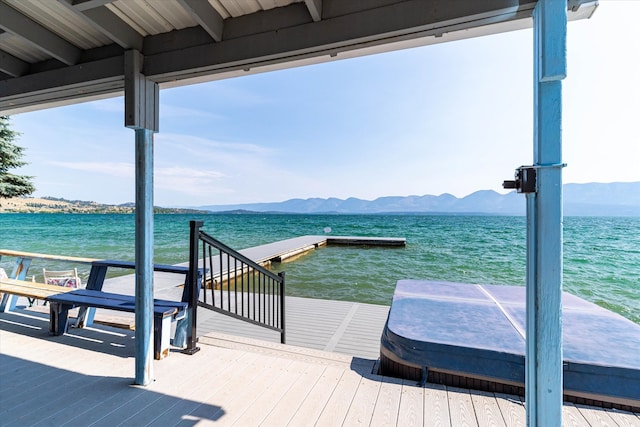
<point x="168" y="111"/>
<point x="186" y="180"/>
<point x="201" y="147"/>
<point x="120" y="170"/>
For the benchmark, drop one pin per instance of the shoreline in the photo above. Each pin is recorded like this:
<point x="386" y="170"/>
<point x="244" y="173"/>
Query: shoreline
<point x="59" y="205"/>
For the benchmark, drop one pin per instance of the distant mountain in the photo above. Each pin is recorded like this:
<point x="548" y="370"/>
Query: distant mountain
<point x="595" y="199"/>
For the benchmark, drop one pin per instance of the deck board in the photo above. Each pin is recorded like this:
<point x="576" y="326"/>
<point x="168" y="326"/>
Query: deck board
<point x="293" y="398"/>
<point x="316" y="400"/>
<point x="571" y="416"/>
<point x="387" y="405"/>
<point x="512" y="409"/>
<point x="436" y="405"/>
<point x="85" y="378"/>
<point x="261" y="407"/>
<point x="624" y="418"/>
<point x="361" y="409"/>
<point x="338" y="404"/>
<point x="486" y="408"/>
<point x="461" y="407"/>
<point x="411" y="412"/>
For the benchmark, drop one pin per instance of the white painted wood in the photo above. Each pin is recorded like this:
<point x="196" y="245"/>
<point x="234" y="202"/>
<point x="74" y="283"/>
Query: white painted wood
<point x="571" y="417"/>
<point x="461" y="407"/>
<point x="335" y="411"/>
<point x="183" y="399"/>
<point x="264" y="404"/>
<point x="287" y="407"/>
<point x="387" y="406"/>
<point x="364" y="401"/>
<point x="512" y="409"/>
<point x="312" y="406"/>
<point x="243" y="396"/>
<point x="84" y="378"/>
<point x="486" y="408"/>
<point x="596" y="416"/>
<point x="207" y="387"/>
<point x="624" y="418"/>
<point x="436" y="406"/>
<point x="411" y="412"/>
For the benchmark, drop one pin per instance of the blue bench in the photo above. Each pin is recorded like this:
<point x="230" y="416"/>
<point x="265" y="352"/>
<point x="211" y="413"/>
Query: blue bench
<point x="98" y="274"/>
<point x="164" y="312"/>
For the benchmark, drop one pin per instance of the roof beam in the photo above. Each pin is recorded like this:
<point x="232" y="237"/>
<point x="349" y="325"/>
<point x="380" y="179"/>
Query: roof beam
<point x="11" y="65"/>
<point x="91" y="80"/>
<point x="83" y="5"/>
<point x="107" y="22"/>
<point x="208" y="18"/>
<point x="268" y="40"/>
<point x="315" y="9"/>
<point x="18" y="24"/>
<point x="396" y="22"/>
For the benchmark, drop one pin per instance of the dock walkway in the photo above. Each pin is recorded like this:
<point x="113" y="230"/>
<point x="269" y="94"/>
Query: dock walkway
<point x="342" y="326"/>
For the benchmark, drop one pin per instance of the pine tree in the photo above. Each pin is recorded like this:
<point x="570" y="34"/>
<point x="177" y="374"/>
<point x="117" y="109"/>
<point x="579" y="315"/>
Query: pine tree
<point x="10" y="158"/>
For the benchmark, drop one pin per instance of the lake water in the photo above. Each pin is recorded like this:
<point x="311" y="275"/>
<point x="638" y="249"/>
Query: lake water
<point x="601" y="254"/>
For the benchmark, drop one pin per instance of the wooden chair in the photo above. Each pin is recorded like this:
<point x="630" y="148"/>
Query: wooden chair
<point x="66" y="278"/>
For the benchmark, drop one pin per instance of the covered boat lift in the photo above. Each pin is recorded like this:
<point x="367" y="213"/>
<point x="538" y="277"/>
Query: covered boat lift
<point x="69" y="51"/>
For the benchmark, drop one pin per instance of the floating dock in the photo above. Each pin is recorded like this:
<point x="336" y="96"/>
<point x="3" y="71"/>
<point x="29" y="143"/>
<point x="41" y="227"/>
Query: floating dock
<point x="474" y="336"/>
<point x="289" y="248"/>
<point x="280" y="251"/>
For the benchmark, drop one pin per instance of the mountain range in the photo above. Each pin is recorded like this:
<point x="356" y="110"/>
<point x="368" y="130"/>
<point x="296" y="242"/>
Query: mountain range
<point x="593" y="199"/>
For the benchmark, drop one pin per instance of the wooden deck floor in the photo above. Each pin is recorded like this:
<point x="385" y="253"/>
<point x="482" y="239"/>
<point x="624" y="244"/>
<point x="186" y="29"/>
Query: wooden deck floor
<point x="84" y="378"/>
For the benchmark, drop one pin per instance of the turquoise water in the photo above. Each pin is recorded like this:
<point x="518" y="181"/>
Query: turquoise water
<point x="601" y="255"/>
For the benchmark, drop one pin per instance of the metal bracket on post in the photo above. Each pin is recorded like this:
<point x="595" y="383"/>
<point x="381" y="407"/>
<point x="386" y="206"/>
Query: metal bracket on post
<point x="524" y="182"/>
<point x="526" y="178"/>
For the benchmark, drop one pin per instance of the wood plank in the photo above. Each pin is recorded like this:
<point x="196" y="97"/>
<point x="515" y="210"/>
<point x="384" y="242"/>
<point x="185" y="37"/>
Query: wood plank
<point x="244" y="385"/>
<point x="571" y="417"/>
<point x="242" y="396"/>
<point x="411" y="412"/>
<point x="338" y="405"/>
<point x="30" y="289"/>
<point x="206" y="389"/>
<point x="624" y="418"/>
<point x="286" y="407"/>
<point x="364" y="401"/>
<point x="248" y="379"/>
<point x="192" y="383"/>
<point x="486" y="408"/>
<point x="385" y="412"/>
<point x="461" y="407"/>
<point x="312" y="406"/>
<point x="512" y="409"/>
<point x="596" y="416"/>
<point x="436" y="405"/>
<point x="262" y="406"/>
<point x="33" y="255"/>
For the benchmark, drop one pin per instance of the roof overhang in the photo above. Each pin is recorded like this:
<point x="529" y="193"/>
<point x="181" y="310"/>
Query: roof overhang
<point x="298" y="33"/>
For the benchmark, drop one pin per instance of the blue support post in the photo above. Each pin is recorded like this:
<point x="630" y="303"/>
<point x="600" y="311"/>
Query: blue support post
<point x="141" y="99"/>
<point x="544" y="220"/>
<point x="144" y="256"/>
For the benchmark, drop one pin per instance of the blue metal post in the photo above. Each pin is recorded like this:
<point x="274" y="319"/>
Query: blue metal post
<point x="141" y="105"/>
<point x="144" y="256"/>
<point x="544" y="220"/>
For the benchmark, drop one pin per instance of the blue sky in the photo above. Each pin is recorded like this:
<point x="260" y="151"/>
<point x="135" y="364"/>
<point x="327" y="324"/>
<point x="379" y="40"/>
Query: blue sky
<point x="449" y="118"/>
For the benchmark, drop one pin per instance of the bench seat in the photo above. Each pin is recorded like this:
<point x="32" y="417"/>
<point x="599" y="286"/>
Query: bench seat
<point x="164" y="312"/>
<point x="13" y="288"/>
